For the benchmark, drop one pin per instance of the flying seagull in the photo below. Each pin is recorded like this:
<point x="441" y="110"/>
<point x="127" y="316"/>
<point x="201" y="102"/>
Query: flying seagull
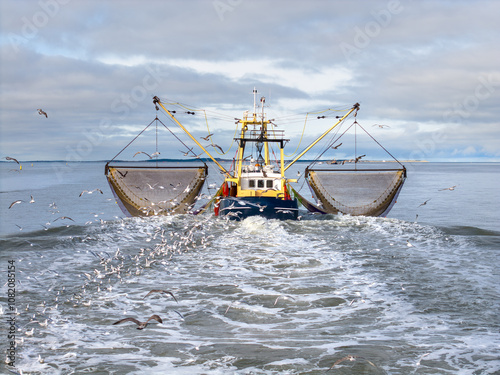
<point x="64" y="217"/>
<point x="197" y="156"/>
<point x="336" y="147"/>
<point x="90" y="192"/>
<point x="14" y="203"/>
<point x="207" y="137"/>
<point x="9" y="158"/>
<point x="284" y="297"/>
<point x="346" y="358"/>
<point x="423" y="204"/>
<point x="42" y="112"/>
<point x="141" y="325"/>
<point x="187" y="152"/>
<point x="216" y="146"/>
<point x="450" y="188"/>
<point x="161" y="291"/>
<point x="359" y="158"/>
<point x="382" y="126"/>
<point x="142" y="152"/>
<point x="350" y="358"/>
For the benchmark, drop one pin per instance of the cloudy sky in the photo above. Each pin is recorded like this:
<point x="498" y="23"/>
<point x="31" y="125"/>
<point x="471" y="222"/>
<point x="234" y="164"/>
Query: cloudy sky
<point x="428" y="69"/>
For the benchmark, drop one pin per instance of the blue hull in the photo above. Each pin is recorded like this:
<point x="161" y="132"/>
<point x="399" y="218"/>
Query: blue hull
<point x="268" y="207"/>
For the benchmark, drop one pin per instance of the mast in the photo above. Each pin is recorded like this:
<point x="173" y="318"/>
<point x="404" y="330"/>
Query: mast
<point x="354" y="108"/>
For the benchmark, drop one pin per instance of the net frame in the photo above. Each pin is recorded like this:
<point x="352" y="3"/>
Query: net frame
<point x="163" y="202"/>
<point x="380" y="206"/>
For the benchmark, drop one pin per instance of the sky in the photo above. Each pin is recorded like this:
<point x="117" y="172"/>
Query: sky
<point x="427" y="70"/>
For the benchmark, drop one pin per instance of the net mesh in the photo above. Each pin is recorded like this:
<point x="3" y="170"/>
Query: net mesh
<point x="146" y="191"/>
<point x="356" y="192"/>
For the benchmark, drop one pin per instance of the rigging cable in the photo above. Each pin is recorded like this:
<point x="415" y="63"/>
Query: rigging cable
<point x="305" y="122"/>
<point x="222" y="117"/>
<point x="300" y="140"/>
<point x="137" y="136"/>
<point x="381" y="146"/>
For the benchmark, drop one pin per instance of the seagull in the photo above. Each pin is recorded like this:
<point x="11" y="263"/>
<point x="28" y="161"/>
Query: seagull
<point x="336" y="147"/>
<point x="382" y="126"/>
<point x="216" y="146"/>
<point x="261" y="208"/>
<point x="14" y="203"/>
<point x="141" y="325"/>
<point x="422" y="357"/>
<point x="32" y="200"/>
<point x="9" y="158"/>
<point x="142" y="152"/>
<point x="187" y="152"/>
<point x="284" y="297"/>
<point x="450" y="188"/>
<point x="161" y="291"/>
<point x="64" y="217"/>
<point x="42" y="112"/>
<point x="197" y="156"/>
<point x="234" y="213"/>
<point x="409" y="244"/>
<point x="346" y="358"/>
<point x="122" y="174"/>
<point x="350" y="358"/>
<point x="359" y="158"/>
<point x="90" y="192"/>
<point x="423" y="204"/>
<point x="207" y="137"/>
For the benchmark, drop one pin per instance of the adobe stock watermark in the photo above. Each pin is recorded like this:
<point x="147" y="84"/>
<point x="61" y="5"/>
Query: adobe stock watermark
<point x="484" y="89"/>
<point x="122" y="107"/>
<point x="372" y="29"/>
<point x="32" y="25"/>
<point x="223" y="6"/>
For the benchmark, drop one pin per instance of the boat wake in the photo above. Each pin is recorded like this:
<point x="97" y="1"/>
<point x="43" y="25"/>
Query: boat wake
<point x="259" y="295"/>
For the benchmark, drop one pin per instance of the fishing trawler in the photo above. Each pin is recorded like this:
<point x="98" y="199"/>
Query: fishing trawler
<point x="256" y="184"/>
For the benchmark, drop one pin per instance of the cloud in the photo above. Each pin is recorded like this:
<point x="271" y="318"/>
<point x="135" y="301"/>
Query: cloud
<point x="428" y="69"/>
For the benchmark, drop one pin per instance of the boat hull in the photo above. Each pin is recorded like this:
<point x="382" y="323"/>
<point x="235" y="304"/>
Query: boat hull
<point x="235" y="208"/>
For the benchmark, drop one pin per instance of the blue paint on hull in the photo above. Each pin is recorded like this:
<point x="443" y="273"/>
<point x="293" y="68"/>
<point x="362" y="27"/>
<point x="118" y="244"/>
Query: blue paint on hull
<point x="269" y="207"/>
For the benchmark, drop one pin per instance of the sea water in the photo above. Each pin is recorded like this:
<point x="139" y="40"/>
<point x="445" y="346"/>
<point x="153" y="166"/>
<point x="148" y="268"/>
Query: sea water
<point x="417" y="292"/>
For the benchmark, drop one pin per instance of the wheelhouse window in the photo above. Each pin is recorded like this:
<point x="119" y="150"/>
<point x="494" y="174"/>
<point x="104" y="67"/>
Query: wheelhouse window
<point x="260" y="183"/>
<point x="269" y="183"/>
<point x="251" y="183"/>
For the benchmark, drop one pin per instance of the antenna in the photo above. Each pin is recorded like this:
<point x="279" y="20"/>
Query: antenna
<point x="263" y="100"/>
<point x="254" y="102"/>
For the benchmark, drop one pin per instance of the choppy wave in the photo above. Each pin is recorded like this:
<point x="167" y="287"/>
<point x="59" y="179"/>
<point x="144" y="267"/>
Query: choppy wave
<point x="257" y="296"/>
